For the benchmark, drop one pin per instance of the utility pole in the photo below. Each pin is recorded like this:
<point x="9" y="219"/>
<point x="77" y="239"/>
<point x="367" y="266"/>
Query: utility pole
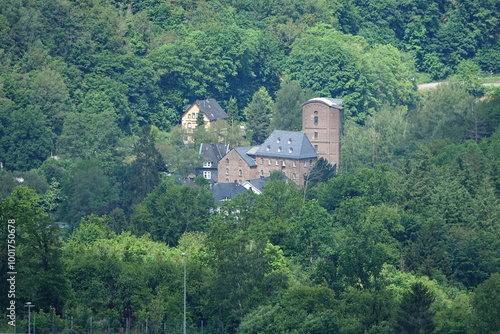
<point x="29" y="306"/>
<point x="184" y="317"/>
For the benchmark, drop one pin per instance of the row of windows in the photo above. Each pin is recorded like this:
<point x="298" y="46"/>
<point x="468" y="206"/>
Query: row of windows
<point x="192" y="115"/>
<point x="278" y="140"/>
<point x="269" y="162"/>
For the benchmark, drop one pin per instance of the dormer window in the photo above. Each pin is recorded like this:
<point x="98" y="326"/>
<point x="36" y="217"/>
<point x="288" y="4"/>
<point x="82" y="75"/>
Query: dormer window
<point x="278" y="140"/>
<point x="279" y="149"/>
<point x="290" y="150"/>
<point x="289" y="141"/>
<point x="207" y="164"/>
<point x="268" y="148"/>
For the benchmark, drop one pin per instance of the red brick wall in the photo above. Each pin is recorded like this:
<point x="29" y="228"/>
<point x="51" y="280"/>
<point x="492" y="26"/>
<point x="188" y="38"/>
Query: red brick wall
<point x="233" y="163"/>
<point x="230" y="166"/>
<point x="326" y="134"/>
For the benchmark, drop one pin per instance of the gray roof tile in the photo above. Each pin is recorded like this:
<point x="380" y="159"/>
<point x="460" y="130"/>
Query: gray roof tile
<point x="287" y="144"/>
<point x="242" y="151"/>
<point x="223" y="191"/>
<point x="331" y="102"/>
<point x="211" y="108"/>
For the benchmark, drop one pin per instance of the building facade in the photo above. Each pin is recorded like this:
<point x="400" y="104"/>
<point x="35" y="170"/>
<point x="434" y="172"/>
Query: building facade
<point x="322" y="123"/>
<point x="289" y="152"/>
<point x="211" y="112"/>
<point x="210" y="155"/>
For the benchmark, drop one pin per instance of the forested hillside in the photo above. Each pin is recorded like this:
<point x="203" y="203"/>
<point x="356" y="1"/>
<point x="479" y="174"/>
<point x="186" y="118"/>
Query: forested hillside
<point x="404" y="238"/>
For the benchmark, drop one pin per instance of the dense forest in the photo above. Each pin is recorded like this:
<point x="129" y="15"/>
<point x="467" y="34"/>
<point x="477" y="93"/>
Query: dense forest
<point x="403" y="238"/>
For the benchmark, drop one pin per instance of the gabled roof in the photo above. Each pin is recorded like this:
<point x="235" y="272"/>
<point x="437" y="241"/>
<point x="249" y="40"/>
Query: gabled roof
<point x="287" y="144"/>
<point x="257" y="185"/>
<point x="243" y="152"/>
<point x="210" y="108"/>
<point x="335" y="103"/>
<point x="213" y="152"/>
<point x="224" y="191"/>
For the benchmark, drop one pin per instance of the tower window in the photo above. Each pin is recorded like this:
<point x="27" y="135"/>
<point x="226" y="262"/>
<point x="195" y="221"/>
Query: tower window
<point x="316" y="135"/>
<point x="315" y="120"/>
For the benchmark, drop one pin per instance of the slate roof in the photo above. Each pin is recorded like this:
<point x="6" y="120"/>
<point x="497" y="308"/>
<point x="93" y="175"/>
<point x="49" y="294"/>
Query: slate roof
<point x="287" y="144"/>
<point x="336" y="103"/>
<point x="257" y="184"/>
<point x="213" y="152"/>
<point x="243" y="152"/>
<point x="222" y="191"/>
<point x="211" y="108"/>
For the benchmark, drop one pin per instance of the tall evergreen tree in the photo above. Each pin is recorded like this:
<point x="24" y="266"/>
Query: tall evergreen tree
<point x="258" y="114"/>
<point x="147" y="166"/>
<point x="415" y="316"/>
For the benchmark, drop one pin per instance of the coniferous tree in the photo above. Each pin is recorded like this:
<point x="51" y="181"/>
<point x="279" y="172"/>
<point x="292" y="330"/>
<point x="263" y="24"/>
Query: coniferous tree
<point x="415" y="315"/>
<point x="147" y="166"/>
<point x="258" y="113"/>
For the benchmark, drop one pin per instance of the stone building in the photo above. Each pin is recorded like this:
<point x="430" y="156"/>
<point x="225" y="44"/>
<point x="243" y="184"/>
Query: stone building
<point x="322" y="123"/>
<point x="289" y="152"/>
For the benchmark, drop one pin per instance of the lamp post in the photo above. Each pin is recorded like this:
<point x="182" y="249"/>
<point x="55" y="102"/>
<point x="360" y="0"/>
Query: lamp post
<point x="184" y="317"/>
<point x="29" y="306"/>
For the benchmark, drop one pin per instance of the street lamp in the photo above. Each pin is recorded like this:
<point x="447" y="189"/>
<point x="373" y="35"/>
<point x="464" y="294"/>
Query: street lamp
<point x="184" y="318"/>
<point x="29" y="306"/>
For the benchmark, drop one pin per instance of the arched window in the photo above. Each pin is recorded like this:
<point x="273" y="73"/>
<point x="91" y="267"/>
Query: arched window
<point x="227" y="171"/>
<point x="227" y="161"/>
<point x="315" y="120"/>
<point x="240" y="172"/>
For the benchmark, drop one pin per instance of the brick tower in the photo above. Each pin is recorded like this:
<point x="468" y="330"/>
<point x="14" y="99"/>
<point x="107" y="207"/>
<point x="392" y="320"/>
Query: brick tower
<point x="322" y="123"/>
